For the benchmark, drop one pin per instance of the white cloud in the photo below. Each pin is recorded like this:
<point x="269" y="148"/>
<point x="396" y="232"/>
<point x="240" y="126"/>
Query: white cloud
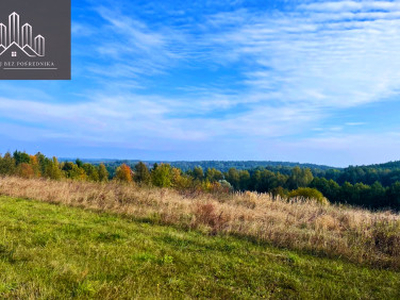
<point x="331" y="62"/>
<point x="132" y="48"/>
<point x="355" y="123"/>
<point x="340" y="6"/>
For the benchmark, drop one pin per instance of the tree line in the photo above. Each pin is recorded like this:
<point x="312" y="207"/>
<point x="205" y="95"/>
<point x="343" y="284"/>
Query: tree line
<point x="369" y="186"/>
<point x="160" y="175"/>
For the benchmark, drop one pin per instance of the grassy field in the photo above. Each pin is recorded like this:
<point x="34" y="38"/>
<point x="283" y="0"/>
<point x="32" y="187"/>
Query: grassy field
<point x="357" y="235"/>
<point x="52" y="251"/>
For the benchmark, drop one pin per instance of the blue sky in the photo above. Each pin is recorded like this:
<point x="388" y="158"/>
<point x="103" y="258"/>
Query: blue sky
<point x="306" y="81"/>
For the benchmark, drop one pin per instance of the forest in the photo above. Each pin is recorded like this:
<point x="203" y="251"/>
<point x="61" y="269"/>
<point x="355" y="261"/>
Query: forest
<point x="373" y="187"/>
<point x="220" y="165"/>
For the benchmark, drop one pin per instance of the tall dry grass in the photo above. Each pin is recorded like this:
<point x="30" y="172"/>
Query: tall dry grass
<point x="358" y="235"/>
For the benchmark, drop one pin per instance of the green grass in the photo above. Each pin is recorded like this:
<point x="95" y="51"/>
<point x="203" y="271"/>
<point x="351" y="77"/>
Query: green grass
<point x="56" y="252"/>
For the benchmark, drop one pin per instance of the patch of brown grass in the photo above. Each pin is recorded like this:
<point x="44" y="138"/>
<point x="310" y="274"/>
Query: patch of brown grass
<point x="355" y="234"/>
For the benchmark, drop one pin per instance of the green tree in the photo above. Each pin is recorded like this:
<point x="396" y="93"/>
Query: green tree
<point x="73" y="171"/>
<point x="142" y="173"/>
<point x="214" y="175"/>
<point x="377" y="196"/>
<point x="393" y="195"/>
<point x="103" y="173"/>
<point x="21" y="157"/>
<point x="255" y="178"/>
<point x="53" y="170"/>
<point x="42" y="162"/>
<point x="198" y="173"/>
<point x="267" y="182"/>
<point x="79" y="163"/>
<point x="329" y="188"/>
<point x="360" y="194"/>
<point x="233" y="177"/>
<point x="244" y="180"/>
<point x="180" y="181"/>
<point x="299" y="178"/>
<point x="162" y="176"/>
<point x="7" y="165"/>
<point x="91" y="172"/>
<point x="346" y="193"/>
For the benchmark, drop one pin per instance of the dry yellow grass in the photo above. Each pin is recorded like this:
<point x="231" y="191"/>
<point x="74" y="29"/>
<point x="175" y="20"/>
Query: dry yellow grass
<point x="358" y="235"/>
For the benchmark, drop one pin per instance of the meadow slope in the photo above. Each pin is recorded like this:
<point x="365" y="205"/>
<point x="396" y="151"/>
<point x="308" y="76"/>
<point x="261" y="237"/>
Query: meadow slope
<point x="58" y="252"/>
<point x="361" y="236"/>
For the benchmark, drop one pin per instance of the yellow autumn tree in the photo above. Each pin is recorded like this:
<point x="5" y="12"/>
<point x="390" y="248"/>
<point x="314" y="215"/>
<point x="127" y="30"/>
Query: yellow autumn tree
<point x="35" y="165"/>
<point x="123" y="173"/>
<point x="26" y="170"/>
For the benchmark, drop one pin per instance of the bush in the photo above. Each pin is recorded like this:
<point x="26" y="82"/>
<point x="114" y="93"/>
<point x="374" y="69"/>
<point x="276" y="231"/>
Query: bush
<point x="309" y="194"/>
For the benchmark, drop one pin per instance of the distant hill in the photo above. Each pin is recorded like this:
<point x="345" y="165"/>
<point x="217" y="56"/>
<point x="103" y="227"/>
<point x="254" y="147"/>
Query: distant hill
<point x="217" y="164"/>
<point x="239" y="165"/>
<point x="387" y="166"/>
<point x="243" y="165"/>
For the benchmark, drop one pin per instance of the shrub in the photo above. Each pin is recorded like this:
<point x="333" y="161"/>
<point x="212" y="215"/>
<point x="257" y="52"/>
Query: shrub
<point x="309" y="194"/>
<point x="207" y="214"/>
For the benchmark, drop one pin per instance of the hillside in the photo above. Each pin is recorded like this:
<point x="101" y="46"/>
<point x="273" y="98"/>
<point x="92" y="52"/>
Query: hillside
<point x="360" y="236"/>
<point x="56" y="252"/>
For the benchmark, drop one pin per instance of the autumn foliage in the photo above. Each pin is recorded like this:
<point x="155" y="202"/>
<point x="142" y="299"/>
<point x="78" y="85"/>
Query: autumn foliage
<point x="124" y="173"/>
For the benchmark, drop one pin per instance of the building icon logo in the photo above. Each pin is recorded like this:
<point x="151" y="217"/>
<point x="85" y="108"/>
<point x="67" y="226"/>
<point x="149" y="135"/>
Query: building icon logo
<point x="15" y="39"/>
<point x="35" y="40"/>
